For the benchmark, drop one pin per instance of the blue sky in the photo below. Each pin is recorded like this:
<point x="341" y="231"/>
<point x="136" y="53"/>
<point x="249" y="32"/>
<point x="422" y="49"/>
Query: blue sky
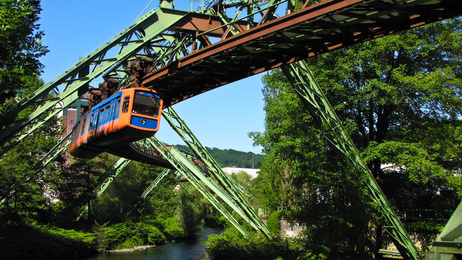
<point x="220" y="118"/>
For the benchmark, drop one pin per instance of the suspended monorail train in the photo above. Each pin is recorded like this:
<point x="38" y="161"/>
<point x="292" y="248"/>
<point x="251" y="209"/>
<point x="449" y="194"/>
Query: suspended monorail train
<point x="126" y="116"/>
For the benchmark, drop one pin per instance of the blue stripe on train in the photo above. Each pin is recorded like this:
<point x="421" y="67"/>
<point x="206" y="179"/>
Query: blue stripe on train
<point x="143" y="122"/>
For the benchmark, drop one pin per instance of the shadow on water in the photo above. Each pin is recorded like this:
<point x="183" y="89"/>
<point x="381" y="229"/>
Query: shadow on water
<point x="184" y="250"/>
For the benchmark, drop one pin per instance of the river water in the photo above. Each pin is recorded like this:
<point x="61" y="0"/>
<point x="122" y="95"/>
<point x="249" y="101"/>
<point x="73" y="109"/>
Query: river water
<point x="185" y="250"/>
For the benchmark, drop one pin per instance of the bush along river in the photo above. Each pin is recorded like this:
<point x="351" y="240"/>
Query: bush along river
<point x="183" y="250"/>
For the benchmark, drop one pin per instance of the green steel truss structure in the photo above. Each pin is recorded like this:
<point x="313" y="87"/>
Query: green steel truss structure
<point x="324" y="115"/>
<point x="153" y="35"/>
<point x="104" y="182"/>
<point x="174" y="41"/>
<point x="149" y="34"/>
<point x="60" y="147"/>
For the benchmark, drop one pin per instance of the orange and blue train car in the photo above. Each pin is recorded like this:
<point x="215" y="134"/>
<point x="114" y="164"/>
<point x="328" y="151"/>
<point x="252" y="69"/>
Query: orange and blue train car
<point x="126" y="116"/>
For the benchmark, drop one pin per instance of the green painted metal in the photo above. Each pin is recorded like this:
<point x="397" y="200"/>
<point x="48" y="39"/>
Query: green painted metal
<point x="224" y="180"/>
<point x="448" y="244"/>
<point x="154" y="183"/>
<point x="180" y="127"/>
<point x="104" y="181"/>
<point x="198" y="179"/>
<point x="74" y="83"/>
<point x="148" y="190"/>
<point x="324" y="115"/>
<point x="453" y="229"/>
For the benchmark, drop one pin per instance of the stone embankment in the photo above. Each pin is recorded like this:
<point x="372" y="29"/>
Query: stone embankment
<point x="128" y="250"/>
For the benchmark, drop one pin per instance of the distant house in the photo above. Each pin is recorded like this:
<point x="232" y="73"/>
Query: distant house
<point x="252" y="172"/>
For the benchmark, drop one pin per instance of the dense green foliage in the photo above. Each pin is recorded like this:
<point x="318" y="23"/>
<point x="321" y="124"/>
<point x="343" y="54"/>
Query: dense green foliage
<point x="231" y="245"/>
<point x="399" y="99"/>
<point x="44" y="242"/>
<point x="273" y="221"/>
<point x="303" y="173"/>
<point x="20" y="48"/>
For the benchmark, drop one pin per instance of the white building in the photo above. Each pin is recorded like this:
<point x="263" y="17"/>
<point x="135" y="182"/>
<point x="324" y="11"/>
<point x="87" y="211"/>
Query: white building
<point x="252" y="172"/>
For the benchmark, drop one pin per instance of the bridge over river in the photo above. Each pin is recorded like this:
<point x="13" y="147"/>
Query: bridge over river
<point x="182" y="54"/>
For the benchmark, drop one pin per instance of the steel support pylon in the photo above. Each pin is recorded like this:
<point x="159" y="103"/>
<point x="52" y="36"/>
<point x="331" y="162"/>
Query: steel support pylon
<point x="104" y="181"/>
<point x="324" y="115"/>
<point x="199" y="180"/>
<point x="224" y="180"/>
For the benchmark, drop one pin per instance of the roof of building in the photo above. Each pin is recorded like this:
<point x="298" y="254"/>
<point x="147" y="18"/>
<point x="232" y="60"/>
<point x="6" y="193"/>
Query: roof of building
<point x="252" y="172"/>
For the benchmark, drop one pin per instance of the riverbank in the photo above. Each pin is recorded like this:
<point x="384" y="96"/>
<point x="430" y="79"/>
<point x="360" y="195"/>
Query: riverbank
<point x="129" y="250"/>
<point x="182" y="249"/>
<point x="37" y="242"/>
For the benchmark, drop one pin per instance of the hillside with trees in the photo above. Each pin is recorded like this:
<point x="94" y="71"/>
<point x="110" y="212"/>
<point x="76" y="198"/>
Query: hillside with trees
<point x="232" y="158"/>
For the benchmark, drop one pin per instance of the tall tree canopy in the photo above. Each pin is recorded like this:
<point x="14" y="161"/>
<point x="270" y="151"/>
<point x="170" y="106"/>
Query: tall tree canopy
<point x="402" y="93"/>
<point x="20" y="50"/>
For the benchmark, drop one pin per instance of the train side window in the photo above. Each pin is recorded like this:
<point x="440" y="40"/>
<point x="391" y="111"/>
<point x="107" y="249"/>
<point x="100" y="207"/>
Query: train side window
<point x="113" y="105"/>
<point x="125" y="104"/>
<point x="92" y="120"/>
<point x="117" y="108"/>
<point x="109" y="112"/>
<point x="83" y="125"/>
<point x="102" y="115"/>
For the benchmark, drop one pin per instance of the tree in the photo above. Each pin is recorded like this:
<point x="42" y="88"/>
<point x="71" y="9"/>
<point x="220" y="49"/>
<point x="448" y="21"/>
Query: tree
<point x="29" y="192"/>
<point x="403" y="94"/>
<point x="188" y="215"/>
<point x="314" y="180"/>
<point x="20" y="49"/>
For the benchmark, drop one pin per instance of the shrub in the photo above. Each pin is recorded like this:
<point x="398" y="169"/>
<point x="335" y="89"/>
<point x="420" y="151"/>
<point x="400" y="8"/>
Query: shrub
<point x="44" y="242"/>
<point x="130" y="234"/>
<point x="172" y="229"/>
<point x="231" y="245"/>
<point x="274" y="221"/>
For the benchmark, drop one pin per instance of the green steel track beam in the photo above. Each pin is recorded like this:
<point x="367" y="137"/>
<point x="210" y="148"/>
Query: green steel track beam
<point x="104" y="181"/>
<point x="224" y="180"/>
<point x="324" y="115"/>
<point x="154" y="183"/>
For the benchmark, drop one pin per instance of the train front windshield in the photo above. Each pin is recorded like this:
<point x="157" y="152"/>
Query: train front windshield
<point x="146" y="104"/>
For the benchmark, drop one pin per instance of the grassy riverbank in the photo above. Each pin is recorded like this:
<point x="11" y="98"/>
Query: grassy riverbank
<point x="35" y="241"/>
<point x="30" y="241"/>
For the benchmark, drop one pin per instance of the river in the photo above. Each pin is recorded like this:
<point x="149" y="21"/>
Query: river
<point x="184" y="250"/>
